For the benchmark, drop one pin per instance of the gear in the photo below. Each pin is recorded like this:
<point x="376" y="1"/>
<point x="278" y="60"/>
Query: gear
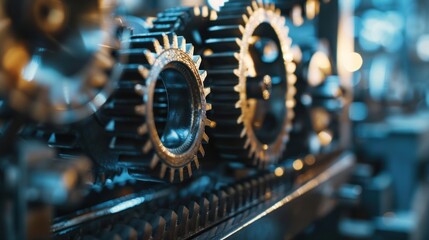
<point x="59" y="62"/>
<point x="251" y="75"/>
<point x="158" y="114"/>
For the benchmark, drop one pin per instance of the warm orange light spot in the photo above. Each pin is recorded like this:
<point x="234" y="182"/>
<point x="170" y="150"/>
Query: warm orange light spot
<point x="325" y="138"/>
<point x="279" y="172"/>
<point x="310" y="160"/>
<point x="298" y="164"/>
<point x="14" y="60"/>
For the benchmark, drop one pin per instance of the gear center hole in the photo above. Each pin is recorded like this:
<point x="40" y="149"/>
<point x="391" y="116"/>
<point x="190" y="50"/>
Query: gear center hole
<point x="267" y="60"/>
<point x="175" y="107"/>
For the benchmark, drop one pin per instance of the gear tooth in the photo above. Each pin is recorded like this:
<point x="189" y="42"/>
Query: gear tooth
<point x="213" y="15"/>
<point x="290" y="103"/>
<point x="203" y="74"/>
<point x="163" y="171"/>
<point x="144" y="72"/>
<point x="154" y="161"/>
<point x="147" y="147"/>
<point x="291" y="67"/>
<point x="197" y="60"/>
<point x="292" y="91"/>
<point x="243" y="134"/>
<point x="181" y="177"/>
<point x="278" y="11"/>
<point x="255" y="5"/>
<point x="166" y="41"/>
<point x="149" y="57"/>
<point x="175" y="43"/>
<point x="209" y="123"/>
<point x="207" y="91"/>
<point x="288" y="57"/>
<point x="196" y="162"/>
<point x="190" y="49"/>
<point x="205" y="11"/>
<point x="142" y="130"/>
<point x="238" y="40"/>
<point x="172" y="173"/>
<point x="189" y="167"/>
<point x="236" y="72"/>
<point x="245" y="18"/>
<point x="237" y="56"/>
<point x="241" y="29"/>
<point x="249" y="10"/>
<point x="201" y="149"/>
<point x="140" y="110"/>
<point x="205" y="137"/>
<point x="238" y="104"/>
<point x="240" y="119"/>
<point x="197" y="11"/>
<point x="247" y="143"/>
<point x="252" y="151"/>
<point x="291" y="79"/>
<point x="140" y="89"/>
<point x="291" y="115"/>
<point x="238" y="88"/>
<point x="239" y="43"/>
<point x="182" y="43"/>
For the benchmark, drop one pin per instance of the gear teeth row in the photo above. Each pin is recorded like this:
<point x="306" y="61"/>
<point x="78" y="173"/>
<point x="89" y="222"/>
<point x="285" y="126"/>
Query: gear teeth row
<point x="142" y="158"/>
<point x="233" y="136"/>
<point x="189" y="219"/>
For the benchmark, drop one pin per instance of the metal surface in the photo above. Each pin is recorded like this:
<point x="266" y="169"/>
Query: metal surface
<point x="261" y="51"/>
<point x="165" y="88"/>
<point x="219" y="212"/>
<point x="292" y="210"/>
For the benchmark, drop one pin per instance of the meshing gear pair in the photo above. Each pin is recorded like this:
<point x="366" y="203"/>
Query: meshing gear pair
<point x="250" y="72"/>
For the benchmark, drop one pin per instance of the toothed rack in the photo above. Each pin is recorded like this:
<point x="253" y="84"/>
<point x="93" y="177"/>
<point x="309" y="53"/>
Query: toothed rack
<point x="218" y="210"/>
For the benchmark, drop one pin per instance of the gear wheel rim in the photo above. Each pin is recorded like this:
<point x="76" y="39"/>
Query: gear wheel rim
<point x="160" y="159"/>
<point x="261" y="154"/>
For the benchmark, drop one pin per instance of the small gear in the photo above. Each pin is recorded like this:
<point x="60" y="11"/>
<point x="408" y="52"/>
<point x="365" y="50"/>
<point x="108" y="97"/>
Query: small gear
<point x="251" y="74"/>
<point x="158" y="114"/>
<point x="59" y="57"/>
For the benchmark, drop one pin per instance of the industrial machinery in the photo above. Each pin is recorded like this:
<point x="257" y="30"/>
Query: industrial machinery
<point x="161" y="120"/>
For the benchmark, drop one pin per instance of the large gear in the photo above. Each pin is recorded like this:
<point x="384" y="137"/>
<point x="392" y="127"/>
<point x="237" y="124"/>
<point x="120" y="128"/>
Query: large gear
<point x="58" y="60"/>
<point x="158" y="115"/>
<point x="253" y="105"/>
